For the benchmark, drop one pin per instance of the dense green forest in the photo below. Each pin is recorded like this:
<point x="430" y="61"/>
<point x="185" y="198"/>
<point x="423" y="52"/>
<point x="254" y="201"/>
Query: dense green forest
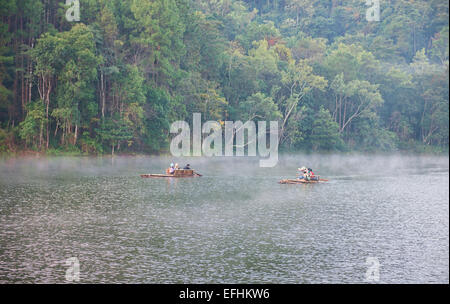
<point x="117" y="79"/>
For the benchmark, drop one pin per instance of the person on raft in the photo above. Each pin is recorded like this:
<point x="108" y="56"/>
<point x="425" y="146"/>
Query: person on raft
<point x="306" y="174"/>
<point x="172" y="168"/>
<point x="187" y="167"/>
<point x="301" y="173"/>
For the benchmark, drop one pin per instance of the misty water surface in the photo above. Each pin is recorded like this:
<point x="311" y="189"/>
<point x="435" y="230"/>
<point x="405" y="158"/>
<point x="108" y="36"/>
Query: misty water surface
<point x="235" y="224"/>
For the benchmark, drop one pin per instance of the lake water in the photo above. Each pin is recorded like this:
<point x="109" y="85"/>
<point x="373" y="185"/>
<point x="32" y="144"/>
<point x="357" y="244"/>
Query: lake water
<point x="235" y="224"/>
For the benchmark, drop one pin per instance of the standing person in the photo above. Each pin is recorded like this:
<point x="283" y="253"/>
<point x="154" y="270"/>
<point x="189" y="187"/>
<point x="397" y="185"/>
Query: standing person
<point x="307" y="175"/>
<point x="302" y="171"/>
<point x="171" y="169"/>
<point x="176" y="166"/>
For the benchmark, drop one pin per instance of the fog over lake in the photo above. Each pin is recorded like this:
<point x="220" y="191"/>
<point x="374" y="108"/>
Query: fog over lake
<point x="235" y="224"/>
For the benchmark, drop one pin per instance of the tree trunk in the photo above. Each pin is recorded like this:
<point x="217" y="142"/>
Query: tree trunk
<point x="75" y="135"/>
<point x="102" y="93"/>
<point x="49" y="87"/>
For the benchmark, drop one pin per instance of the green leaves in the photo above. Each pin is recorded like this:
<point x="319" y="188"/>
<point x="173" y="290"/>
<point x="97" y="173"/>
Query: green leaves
<point x="299" y="81"/>
<point x="156" y="38"/>
<point x="259" y="107"/>
<point x="134" y="66"/>
<point x="30" y="130"/>
<point x="439" y="51"/>
<point x="325" y="132"/>
<point x="353" y="99"/>
<point x="114" y="131"/>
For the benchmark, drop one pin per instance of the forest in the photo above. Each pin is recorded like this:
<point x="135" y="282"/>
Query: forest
<point x="115" y="80"/>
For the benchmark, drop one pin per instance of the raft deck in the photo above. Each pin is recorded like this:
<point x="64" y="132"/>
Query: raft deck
<point x="301" y="181"/>
<point x="177" y="173"/>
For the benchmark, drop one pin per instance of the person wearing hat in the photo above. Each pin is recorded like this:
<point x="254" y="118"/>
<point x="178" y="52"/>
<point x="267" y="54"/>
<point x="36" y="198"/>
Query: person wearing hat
<point x="306" y="173"/>
<point x="302" y="170"/>
<point x="171" y="169"/>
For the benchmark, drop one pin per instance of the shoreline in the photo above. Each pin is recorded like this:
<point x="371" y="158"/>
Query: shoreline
<point x="29" y="154"/>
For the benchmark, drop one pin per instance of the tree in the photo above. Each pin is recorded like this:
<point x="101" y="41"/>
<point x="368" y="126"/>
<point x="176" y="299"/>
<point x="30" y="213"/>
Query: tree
<point x="114" y="131"/>
<point x="47" y="57"/>
<point x="439" y="50"/>
<point x="352" y="61"/>
<point x="353" y="99"/>
<point x="433" y="94"/>
<point x="325" y="133"/>
<point x="77" y="71"/>
<point x="299" y="80"/>
<point x="259" y="107"/>
<point x="31" y="129"/>
<point x="156" y="39"/>
<point x="302" y="9"/>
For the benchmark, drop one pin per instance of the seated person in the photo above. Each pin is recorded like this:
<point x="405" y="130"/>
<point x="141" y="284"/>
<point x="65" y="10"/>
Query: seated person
<point x="187" y="167"/>
<point x="313" y="177"/>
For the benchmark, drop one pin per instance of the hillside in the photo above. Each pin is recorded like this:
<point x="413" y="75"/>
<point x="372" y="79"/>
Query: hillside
<point x="117" y="78"/>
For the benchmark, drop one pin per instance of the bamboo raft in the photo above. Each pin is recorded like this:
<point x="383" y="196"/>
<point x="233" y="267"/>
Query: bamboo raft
<point x="179" y="173"/>
<point x="302" y="181"/>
